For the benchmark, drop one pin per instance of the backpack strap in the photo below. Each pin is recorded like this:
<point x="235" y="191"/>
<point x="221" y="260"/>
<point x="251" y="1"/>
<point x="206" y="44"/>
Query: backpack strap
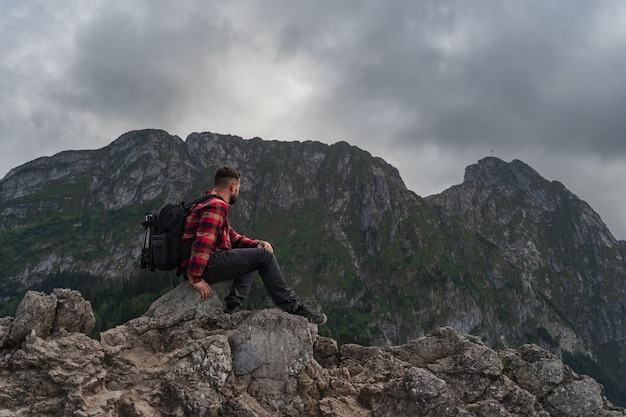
<point x="198" y="200"/>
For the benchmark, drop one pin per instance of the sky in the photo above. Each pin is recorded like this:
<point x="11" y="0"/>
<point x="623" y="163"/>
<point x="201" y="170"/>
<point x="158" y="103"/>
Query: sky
<point x="429" y="86"/>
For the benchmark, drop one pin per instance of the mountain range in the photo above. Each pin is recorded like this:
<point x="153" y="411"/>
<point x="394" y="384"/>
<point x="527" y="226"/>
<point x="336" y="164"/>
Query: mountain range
<point x="506" y="255"/>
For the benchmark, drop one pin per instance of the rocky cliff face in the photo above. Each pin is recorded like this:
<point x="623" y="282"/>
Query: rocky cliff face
<point x="143" y="170"/>
<point x="506" y="255"/>
<point x="566" y="261"/>
<point x="186" y="358"/>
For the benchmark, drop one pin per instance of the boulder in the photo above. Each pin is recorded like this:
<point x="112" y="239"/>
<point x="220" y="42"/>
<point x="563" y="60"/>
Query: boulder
<point x="73" y="312"/>
<point x="62" y="311"/>
<point x="36" y="312"/>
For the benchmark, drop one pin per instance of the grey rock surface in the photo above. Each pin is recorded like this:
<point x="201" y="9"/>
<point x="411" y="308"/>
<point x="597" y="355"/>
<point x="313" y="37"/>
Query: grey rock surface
<point x="62" y="311"/>
<point x="184" y="357"/>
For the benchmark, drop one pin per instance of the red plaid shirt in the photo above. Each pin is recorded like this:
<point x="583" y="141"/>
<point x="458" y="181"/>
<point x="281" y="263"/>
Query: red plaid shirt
<point x="207" y="225"/>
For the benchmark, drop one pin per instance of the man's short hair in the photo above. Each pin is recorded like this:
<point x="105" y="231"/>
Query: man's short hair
<point x="224" y="175"/>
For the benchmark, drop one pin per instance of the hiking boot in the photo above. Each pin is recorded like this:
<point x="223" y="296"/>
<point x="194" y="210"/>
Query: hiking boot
<point x="233" y="302"/>
<point x="232" y="308"/>
<point x="313" y="317"/>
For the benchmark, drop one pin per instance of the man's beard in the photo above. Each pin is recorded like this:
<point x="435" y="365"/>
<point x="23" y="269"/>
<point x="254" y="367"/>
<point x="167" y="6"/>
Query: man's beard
<point x="233" y="199"/>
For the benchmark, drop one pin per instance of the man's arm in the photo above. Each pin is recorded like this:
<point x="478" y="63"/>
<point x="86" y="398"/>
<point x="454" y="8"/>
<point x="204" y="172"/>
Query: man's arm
<point x="241" y="241"/>
<point x="212" y="219"/>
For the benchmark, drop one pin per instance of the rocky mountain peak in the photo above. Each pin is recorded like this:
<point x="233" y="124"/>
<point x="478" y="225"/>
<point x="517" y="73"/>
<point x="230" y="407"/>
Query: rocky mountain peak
<point x="184" y="357"/>
<point x="499" y="180"/>
<point x="494" y="191"/>
<point x="542" y="229"/>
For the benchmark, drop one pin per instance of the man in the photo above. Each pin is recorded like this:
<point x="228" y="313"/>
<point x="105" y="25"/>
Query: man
<point x="217" y="253"/>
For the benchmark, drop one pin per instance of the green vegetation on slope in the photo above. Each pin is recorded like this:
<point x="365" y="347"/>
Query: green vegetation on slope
<point x="606" y="369"/>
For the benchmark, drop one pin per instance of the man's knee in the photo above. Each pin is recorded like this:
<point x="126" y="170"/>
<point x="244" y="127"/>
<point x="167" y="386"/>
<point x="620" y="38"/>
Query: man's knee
<point x="266" y="256"/>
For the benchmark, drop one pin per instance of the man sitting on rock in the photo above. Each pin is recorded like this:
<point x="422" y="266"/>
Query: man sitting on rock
<point x="218" y="253"/>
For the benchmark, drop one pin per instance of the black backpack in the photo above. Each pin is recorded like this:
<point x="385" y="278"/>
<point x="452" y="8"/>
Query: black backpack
<point x="162" y="233"/>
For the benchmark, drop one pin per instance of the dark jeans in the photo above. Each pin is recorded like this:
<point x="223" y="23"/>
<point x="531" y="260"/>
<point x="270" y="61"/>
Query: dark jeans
<point x="240" y="265"/>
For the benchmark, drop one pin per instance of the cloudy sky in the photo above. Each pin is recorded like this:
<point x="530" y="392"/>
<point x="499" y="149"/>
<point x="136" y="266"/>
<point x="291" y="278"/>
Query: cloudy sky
<point x="430" y="86"/>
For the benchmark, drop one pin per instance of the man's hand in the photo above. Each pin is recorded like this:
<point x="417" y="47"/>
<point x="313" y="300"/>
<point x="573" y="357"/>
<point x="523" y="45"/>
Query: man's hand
<point x="203" y="288"/>
<point x="265" y="245"/>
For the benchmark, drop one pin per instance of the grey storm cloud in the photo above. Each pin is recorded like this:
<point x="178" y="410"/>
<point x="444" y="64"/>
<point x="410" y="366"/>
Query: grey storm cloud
<point x="431" y="86"/>
<point x="146" y="65"/>
<point x="481" y="72"/>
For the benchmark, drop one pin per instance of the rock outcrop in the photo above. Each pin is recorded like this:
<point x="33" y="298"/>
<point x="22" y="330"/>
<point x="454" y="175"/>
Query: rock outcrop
<point x="184" y="357"/>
